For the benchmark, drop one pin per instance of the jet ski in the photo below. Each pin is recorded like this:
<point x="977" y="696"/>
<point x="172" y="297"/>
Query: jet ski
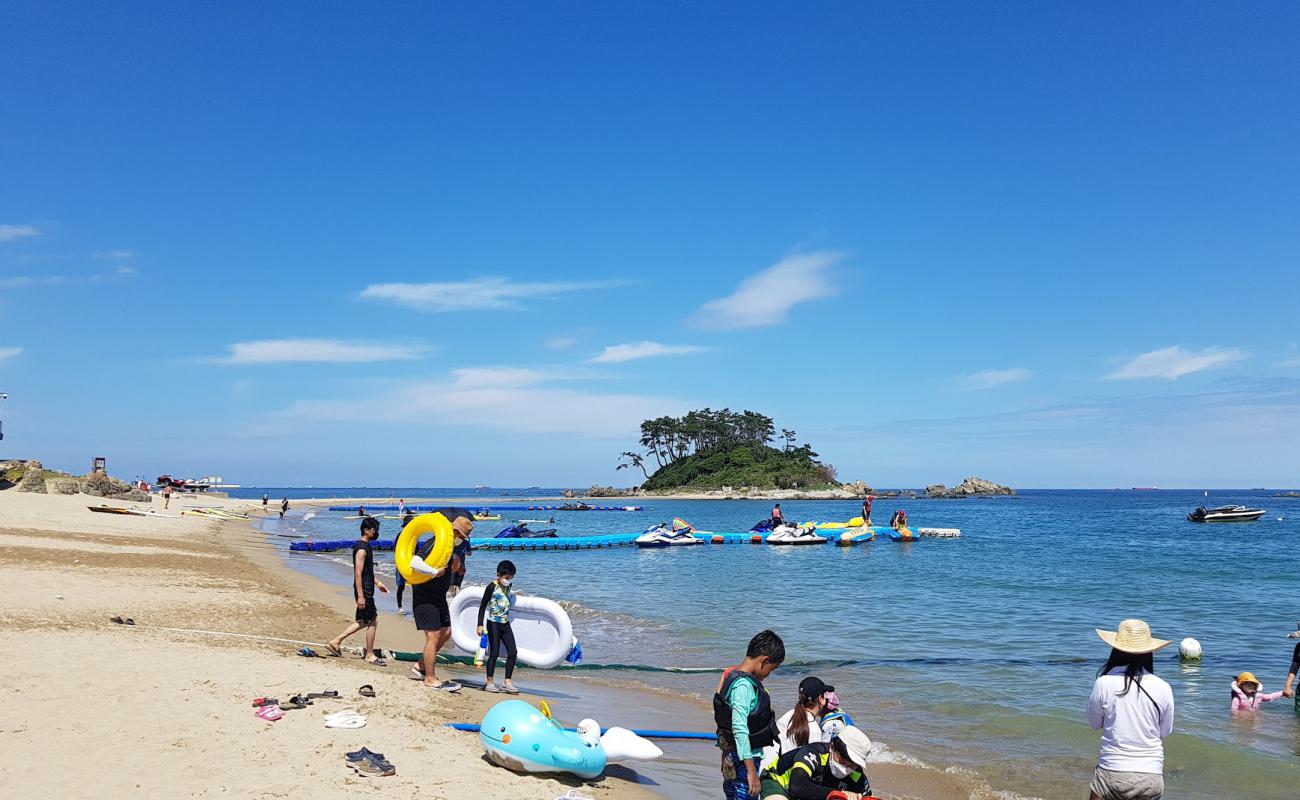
<point x="790" y="534"/>
<point x="763" y="526"/>
<point x="522" y="531"/>
<point x="662" y="535"/>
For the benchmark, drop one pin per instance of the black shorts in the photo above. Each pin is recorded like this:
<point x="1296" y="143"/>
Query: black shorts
<point x="432" y="616"/>
<point x="368" y="614"/>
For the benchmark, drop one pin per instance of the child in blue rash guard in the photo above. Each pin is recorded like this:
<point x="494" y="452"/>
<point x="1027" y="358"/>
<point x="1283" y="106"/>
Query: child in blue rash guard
<point x="743" y="713"/>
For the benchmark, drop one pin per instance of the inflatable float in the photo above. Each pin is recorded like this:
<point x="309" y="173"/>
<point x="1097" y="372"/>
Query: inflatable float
<point x="519" y="737"/>
<point x="404" y="548"/>
<point x="543" y="631"/>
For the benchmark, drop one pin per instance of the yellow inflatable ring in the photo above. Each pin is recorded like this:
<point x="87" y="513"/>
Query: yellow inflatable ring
<point x="443" y="541"/>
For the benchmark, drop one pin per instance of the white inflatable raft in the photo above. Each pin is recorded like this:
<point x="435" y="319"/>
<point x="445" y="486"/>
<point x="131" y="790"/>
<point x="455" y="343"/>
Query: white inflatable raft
<point x="543" y="632"/>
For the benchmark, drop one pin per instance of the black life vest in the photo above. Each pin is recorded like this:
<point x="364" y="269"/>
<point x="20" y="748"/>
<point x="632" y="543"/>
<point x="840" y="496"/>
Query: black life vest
<point x="761" y="722"/>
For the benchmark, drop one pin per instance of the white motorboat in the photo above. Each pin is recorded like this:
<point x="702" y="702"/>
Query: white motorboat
<point x="662" y="535"/>
<point x="791" y="534"/>
<point x="1225" y="514"/>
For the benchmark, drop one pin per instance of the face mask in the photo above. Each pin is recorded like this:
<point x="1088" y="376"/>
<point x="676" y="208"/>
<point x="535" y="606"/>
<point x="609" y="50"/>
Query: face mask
<point x="839" y="770"/>
<point x="503" y="581"/>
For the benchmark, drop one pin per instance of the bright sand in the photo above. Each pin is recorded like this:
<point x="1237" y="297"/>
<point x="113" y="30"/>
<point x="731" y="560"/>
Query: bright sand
<point x="99" y="709"/>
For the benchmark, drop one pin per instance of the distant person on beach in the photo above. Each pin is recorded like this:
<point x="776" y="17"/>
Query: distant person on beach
<point x="498" y="600"/>
<point x="401" y="582"/>
<point x="866" y="510"/>
<point x="742" y="711"/>
<point x="284" y="507"/>
<point x="167" y="496"/>
<point x="819" y="769"/>
<point x="430" y="609"/>
<point x="1247" y="694"/>
<point x="363" y="589"/>
<point x="800" y="725"/>
<point x="1134" y="710"/>
<point x="1289" y="689"/>
<point x="265" y="499"/>
<point x="401" y="508"/>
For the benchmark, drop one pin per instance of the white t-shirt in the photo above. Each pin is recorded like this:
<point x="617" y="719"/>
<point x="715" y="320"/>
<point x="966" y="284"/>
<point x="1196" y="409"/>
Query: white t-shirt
<point x="1132" y="726"/>
<point x="785" y="744"/>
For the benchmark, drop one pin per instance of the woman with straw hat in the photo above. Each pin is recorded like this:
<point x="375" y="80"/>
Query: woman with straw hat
<point x="1134" y="710"/>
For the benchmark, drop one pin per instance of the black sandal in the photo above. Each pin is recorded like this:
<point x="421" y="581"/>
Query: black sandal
<point x="328" y="693"/>
<point x="367" y="691"/>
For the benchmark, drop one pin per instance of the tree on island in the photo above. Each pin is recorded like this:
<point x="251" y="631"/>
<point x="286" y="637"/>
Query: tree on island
<point x="724" y="448"/>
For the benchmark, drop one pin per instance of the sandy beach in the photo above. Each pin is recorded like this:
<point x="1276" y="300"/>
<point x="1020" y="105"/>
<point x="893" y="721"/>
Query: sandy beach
<point x="148" y="711"/>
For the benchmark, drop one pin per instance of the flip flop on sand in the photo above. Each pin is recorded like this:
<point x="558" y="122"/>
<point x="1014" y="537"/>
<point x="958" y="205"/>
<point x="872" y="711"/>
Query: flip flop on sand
<point x="345" y="719"/>
<point x="307" y="652"/>
<point x="373" y="768"/>
<point x="264" y="701"/>
<point x="378" y="662"/>
<point x="269" y="713"/>
<point x="366" y="691"/>
<point x="334" y="650"/>
<point x="417" y="674"/>
<point x="446" y="686"/>
<point x="328" y="693"/>
<point x="296" y="702"/>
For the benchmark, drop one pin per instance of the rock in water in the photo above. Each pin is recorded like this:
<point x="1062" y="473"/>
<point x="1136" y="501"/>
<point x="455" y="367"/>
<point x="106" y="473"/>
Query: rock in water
<point x="970" y="487"/>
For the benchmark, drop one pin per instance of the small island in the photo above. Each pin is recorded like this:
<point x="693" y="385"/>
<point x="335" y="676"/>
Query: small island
<point x="709" y="453"/>
<point x="971" y="487"/>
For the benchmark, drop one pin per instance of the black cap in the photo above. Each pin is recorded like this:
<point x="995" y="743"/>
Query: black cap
<point x="813" y="687"/>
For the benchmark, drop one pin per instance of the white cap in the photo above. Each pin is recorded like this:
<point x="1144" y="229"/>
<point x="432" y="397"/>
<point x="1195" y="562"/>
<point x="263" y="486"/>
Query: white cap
<point x="857" y="743"/>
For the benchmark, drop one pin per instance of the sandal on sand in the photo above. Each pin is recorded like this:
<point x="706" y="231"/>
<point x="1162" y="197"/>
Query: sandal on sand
<point x="307" y="652"/>
<point x="328" y="693"/>
<point x="446" y="686"/>
<point x="296" y="702"/>
<point x="362" y="754"/>
<point x="374" y="768"/>
<point x="269" y="713"/>
<point x="365" y="691"/>
<point x="334" y="650"/>
<point x="258" y="702"/>
<point x="379" y="662"/>
<point x="345" y="719"/>
<point x="417" y="674"/>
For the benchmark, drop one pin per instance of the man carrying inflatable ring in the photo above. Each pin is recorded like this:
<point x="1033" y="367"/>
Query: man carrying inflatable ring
<point x="429" y="568"/>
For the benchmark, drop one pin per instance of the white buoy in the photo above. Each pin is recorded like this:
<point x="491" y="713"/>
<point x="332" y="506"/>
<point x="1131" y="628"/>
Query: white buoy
<point x="1189" y="649"/>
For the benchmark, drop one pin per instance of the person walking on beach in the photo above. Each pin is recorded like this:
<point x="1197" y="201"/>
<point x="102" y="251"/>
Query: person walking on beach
<point x="363" y="590"/>
<point x="742" y="711"/>
<point x="498" y="599"/>
<point x="1134" y="710"/>
<point x="265" y="499"/>
<point x="401" y="508"/>
<point x="167" y="496"/>
<point x="430" y="609"/>
<point x="284" y="507"/>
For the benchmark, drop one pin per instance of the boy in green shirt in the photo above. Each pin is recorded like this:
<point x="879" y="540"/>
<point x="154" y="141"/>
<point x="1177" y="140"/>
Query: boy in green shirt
<point x="743" y="713"/>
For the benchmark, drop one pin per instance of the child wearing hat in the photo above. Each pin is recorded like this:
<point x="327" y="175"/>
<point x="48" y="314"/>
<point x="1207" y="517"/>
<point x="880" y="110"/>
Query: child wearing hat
<point x="800" y="725"/>
<point x="1246" y="694"/>
<point x="822" y="769"/>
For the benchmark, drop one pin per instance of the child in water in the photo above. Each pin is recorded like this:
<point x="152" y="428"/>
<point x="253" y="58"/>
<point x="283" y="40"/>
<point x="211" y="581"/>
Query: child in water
<point x="498" y="598"/>
<point x="1246" y="694"/>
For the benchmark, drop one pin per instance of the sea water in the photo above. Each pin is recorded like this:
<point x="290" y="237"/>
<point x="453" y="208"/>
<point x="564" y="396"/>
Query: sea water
<point x="974" y="654"/>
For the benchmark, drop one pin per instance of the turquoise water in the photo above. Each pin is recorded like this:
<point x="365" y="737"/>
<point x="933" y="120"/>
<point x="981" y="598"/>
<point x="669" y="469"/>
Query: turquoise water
<point x="974" y="654"/>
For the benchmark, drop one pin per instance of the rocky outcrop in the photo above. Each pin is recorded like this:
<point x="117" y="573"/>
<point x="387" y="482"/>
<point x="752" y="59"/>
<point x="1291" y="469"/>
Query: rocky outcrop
<point x="971" y="487"/>
<point x="33" y="480"/>
<point x="859" y="489"/>
<point x="31" y="476"/>
<point x="609" y="491"/>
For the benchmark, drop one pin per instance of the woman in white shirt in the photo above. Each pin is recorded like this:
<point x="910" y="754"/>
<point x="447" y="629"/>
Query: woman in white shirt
<point x="800" y="725"/>
<point x="1134" y="710"/>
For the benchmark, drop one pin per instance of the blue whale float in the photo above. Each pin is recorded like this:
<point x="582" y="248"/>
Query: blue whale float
<point x="519" y="737"/>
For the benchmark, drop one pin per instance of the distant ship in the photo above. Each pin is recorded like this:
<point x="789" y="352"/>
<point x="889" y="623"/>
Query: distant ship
<point x="1145" y="489"/>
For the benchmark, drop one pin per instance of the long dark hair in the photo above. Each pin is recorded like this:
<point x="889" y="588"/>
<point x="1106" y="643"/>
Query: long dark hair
<point x="1133" y="664"/>
<point x="798" y="730"/>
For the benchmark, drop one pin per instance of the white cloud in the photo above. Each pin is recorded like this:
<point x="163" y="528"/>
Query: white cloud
<point x="992" y="377"/>
<point x="10" y="232"/>
<point x="1174" y="362"/>
<point x="481" y="294"/>
<point x="511" y="399"/>
<point x="766" y="298"/>
<point x="560" y="342"/>
<point x="619" y="353"/>
<point x="319" y="351"/>
<point x="7" y="353"/>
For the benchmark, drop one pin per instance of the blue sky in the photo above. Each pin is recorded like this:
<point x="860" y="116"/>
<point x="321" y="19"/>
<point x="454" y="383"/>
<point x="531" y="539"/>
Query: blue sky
<point x="443" y="245"/>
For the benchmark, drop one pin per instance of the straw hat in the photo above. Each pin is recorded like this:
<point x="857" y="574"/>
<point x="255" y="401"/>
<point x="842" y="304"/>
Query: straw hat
<point x="1247" y="677"/>
<point x="1133" y="636"/>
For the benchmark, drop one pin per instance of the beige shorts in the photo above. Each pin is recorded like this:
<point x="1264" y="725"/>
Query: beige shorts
<point x="1110" y="785"/>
